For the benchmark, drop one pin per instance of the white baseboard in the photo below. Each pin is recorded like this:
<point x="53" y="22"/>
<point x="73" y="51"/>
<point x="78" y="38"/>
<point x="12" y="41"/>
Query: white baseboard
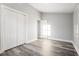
<point x="76" y="48"/>
<point x="61" y="40"/>
<point x="32" y="40"/>
<point x="58" y="39"/>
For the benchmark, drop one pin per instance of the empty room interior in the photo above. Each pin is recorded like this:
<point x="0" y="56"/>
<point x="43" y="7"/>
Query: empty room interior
<point x="39" y="29"/>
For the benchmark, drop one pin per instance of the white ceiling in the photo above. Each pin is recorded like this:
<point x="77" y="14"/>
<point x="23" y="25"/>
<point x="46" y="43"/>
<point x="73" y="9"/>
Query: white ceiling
<point x="54" y="7"/>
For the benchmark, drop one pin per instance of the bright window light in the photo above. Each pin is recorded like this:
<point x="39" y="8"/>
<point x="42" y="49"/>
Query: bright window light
<point x="46" y="30"/>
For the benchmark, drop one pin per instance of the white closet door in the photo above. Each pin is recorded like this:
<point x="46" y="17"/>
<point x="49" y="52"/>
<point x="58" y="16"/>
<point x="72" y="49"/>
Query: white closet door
<point x="21" y="28"/>
<point x="10" y="28"/>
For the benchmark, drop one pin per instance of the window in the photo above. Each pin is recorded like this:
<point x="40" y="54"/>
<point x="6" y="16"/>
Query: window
<point x="46" y="30"/>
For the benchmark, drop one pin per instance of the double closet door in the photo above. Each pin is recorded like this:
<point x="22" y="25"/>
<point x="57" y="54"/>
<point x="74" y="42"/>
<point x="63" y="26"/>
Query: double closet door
<point x="13" y="28"/>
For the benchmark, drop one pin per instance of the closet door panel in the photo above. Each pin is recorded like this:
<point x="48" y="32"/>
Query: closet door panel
<point x="21" y="29"/>
<point x="10" y="29"/>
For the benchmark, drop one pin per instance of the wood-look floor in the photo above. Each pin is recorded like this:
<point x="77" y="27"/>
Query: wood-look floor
<point x="42" y="47"/>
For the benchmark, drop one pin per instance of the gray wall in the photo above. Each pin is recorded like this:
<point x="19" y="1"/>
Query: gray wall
<point x="33" y="17"/>
<point x="61" y="25"/>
